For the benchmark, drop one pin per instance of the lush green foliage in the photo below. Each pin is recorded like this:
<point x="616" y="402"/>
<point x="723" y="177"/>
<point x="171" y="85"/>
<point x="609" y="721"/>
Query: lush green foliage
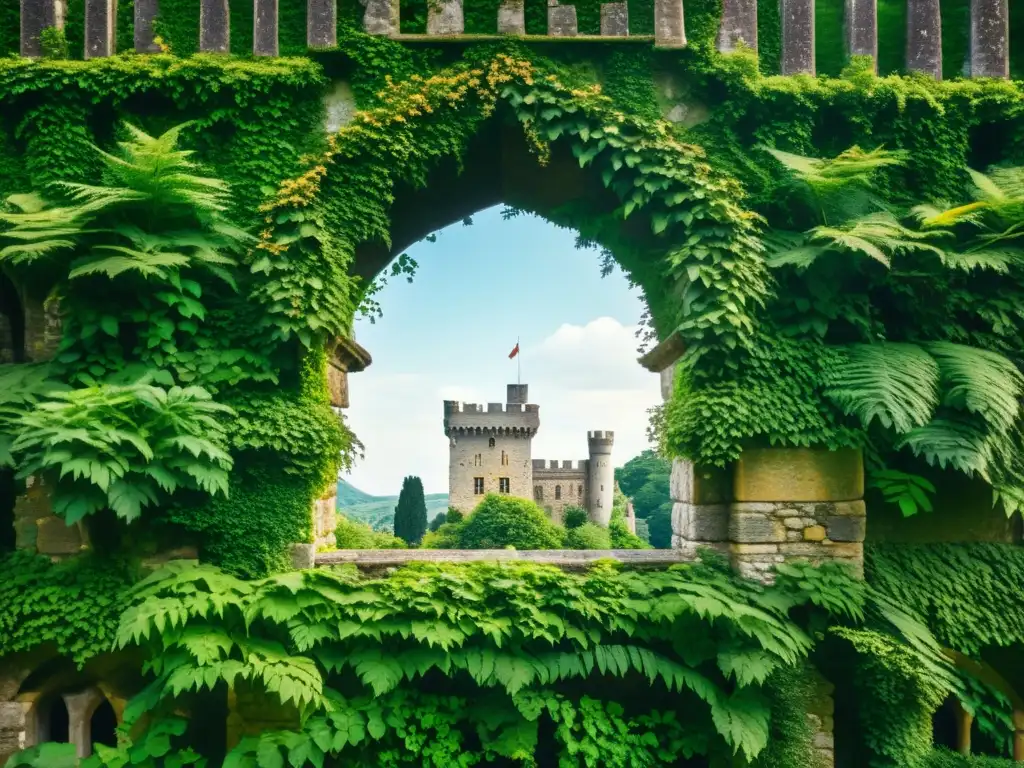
<point x="353" y="534"/>
<point x="73" y="605"/>
<point x="573" y="517"/>
<point x="941" y="758"/>
<point x="498" y="522"/>
<point x="503" y="635"/>
<point x="411" y="511"/>
<point x="588" y="536"/>
<point x="644" y="479"/>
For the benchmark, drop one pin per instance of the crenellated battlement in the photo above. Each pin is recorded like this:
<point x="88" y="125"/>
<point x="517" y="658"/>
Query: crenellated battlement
<point x="507" y="418"/>
<point x="600" y="441"/>
<point x="541" y="466"/>
<point x="988" y="28"/>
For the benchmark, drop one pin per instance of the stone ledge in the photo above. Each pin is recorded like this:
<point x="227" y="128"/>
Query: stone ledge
<point x="562" y="558"/>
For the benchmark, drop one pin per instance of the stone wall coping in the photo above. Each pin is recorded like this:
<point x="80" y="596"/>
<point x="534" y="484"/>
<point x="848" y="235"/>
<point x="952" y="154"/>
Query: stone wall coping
<point x="562" y="558"/>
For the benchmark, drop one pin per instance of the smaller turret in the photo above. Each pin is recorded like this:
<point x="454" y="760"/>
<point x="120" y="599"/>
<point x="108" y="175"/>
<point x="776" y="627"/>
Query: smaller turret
<point x="601" y="476"/>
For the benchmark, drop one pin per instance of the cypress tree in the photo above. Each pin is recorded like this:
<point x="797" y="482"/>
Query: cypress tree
<point x="411" y="512"/>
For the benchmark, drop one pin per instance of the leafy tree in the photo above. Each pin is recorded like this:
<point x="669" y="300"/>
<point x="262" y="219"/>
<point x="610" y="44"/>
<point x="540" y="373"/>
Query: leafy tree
<point x="498" y="522"/>
<point x="645" y="480"/>
<point x="353" y="534"/>
<point x="411" y="511"/>
<point x="574" y="516"/>
<point x="588" y="536"/>
<point x="439" y="519"/>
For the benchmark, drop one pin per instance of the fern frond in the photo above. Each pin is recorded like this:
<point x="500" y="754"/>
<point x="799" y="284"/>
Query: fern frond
<point x="878" y="235"/>
<point x="948" y="443"/>
<point x="979" y="381"/>
<point x="895" y="383"/>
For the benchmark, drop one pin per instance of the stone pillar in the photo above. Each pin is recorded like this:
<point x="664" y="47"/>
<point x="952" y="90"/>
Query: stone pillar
<point x="444" y="17"/>
<point x="214" y="26"/>
<point x="669" y="24"/>
<point x="1018" y="735"/>
<point x="561" y="20"/>
<point x="80" y="710"/>
<point x="325" y="518"/>
<point x="739" y="24"/>
<point x="322" y="23"/>
<point x="381" y="17"/>
<point x="100" y="23"/>
<point x="614" y="19"/>
<point x="861" y="29"/>
<point x="511" y="18"/>
<point x="990" y="38"/>
<point x="146" y="11"/>
<point x="37" y="15"/>
<point x="797" y="503"/>
<point x="264" y="28"/>
<point x="797" y="36"/>
<point x="964" y="721"/>
<point x="924" y="37"/>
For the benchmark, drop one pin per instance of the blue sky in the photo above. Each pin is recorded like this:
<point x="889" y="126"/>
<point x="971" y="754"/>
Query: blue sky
<point x="448" y="335"/>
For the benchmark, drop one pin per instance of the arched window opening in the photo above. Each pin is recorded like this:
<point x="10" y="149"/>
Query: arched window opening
<point x="579" y="491"/>
<point x="490" y="443"/>
<point x="53" y="722"/>
<point x="538" y="493"/>
<point x="558" y="492"/>
<point x="103" y="725"/>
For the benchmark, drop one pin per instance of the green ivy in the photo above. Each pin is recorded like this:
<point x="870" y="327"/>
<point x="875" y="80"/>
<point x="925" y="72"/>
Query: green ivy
<point x="73" y="606"/>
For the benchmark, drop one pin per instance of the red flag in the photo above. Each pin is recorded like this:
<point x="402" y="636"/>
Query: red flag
<point x="514" y="352"/>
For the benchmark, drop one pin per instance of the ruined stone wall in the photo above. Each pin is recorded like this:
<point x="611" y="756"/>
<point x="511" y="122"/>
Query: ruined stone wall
<point x="559" y="484"/>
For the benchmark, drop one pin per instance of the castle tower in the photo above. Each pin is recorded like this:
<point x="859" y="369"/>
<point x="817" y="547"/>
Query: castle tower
<point x="600" y="476"/>
<point x="490" y="448"/>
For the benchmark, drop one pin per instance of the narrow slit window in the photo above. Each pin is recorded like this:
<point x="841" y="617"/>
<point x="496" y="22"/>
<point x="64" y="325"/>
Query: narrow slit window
<point x="490" y="443"/>
<point x="558" y="492"/>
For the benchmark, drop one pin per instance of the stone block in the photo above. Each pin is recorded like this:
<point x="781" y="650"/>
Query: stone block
<point x="146" y="11"/>
<point x="444" y="17"/>
<point x="214" y="26"/>
<point x="561" y="20"/>
<point x="797" y="36"/>
<point x="924" y="37"/>
<point x="738" y="25"/>
<point x="754" y="549"/>
<point x="321" y="23"/>
<point x="264" y="27"/>
<point x="12" y="716"/>
<point x="160" y="559"/>
<point x="54" y="537"/>
<point x="745" y="528"/>
<point x="669" y="24"/>
<point x="700" y="522"/>
<point x="99" y="28"/>
<point x="698" y="485"/>
<point x="814" y="533"/>
<point x="845" y="528"/>
<point x="303" y="556"/>
<point x="340" y="106"/>
<point x="615" y="23"/>
<point x="511" y="18"/>
<point x="381" y="17"/>
<point x="43" y="324"/>
<point x="798" y="475"/>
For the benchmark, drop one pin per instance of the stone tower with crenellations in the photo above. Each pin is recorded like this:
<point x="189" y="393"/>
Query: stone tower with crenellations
<point x="490" y="451"/>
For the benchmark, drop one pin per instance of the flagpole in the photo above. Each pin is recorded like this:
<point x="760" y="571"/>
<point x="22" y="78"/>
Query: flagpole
<point x="519" y="364"/>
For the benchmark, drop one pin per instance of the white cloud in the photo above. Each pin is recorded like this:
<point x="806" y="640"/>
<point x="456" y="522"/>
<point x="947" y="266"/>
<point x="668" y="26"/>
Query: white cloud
<point x="582" y="377"/>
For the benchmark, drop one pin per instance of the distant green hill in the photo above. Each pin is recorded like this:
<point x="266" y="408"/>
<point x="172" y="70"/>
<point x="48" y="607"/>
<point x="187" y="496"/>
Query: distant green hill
<point x="379" y="511"/>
